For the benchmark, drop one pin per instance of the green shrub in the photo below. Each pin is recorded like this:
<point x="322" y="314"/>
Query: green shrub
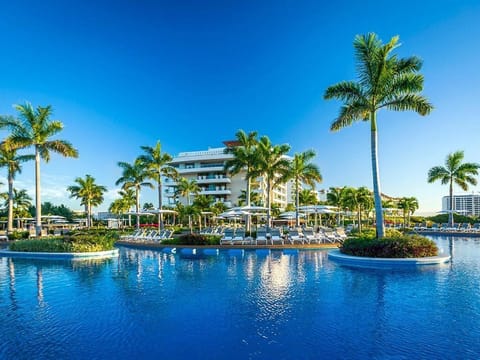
<point x="17" y="235"/>
<point x="197" y="239"/>
<point x="399" y="246"/>
<point x="84" y="241"/>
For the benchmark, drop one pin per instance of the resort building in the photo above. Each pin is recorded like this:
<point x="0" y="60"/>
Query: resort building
<point x="467" y="204"/>
<point x="207" y="169"/>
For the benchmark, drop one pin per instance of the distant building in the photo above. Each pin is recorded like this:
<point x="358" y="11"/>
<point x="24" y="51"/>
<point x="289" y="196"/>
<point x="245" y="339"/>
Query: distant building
<point x="468" y="204"/>
<point x="207" y="169"/>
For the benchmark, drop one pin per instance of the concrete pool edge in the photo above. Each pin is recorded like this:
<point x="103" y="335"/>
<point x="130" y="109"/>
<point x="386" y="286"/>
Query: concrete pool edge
<point x="336" y="255"/>
<point x="60" y="256"/>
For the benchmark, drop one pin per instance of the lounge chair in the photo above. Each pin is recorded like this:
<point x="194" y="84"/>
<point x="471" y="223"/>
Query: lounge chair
<point x="227" y="236"/>
<point x="276" y="236"/>
<point x="295" y="235"/>
<point x="261" y="236"/>
<point x="239" y="237"/>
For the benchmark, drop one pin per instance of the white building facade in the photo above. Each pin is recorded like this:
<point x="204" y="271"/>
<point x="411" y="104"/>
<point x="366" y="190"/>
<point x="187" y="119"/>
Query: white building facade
<point x="468" y="204"/>
<point x="207" y="169"/>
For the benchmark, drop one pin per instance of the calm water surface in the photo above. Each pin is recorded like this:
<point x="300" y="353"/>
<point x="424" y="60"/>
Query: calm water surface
<point x="151" y="305"/>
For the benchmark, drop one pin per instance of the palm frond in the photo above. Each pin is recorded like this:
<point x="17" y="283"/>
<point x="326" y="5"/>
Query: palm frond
<point x="61" y="147"/>
<point x="349" y="114"/>
<point x="347" y="91"/>
<point x="414" y="102"/>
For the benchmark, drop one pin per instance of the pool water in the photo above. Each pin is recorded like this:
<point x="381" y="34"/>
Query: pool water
<point x="150" y="305"/>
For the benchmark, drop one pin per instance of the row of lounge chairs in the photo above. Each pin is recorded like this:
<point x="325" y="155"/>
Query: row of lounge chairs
<point x="148" y="235"/>
<point x="461" y="227"/>
<point x="275" y="236"/>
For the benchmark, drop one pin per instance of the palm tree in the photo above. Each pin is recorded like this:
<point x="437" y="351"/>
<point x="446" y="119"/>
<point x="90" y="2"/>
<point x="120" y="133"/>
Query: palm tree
<point x="187" y="188"/>
<point x="134" y="176"/>
<point x="302" y="171"/>
<point x="358" y="199"/>
<point x="157" y="165"/>
<point x="129" y="199"/>
<point x="305" y="197"/>
<point x="21" y="202"/>
<point x="255" y="198"/>
<point x="385" y="82"/>
<point x="272" y="165"/>
<point x="34" y="128"/>
<point x="243" y="160"/>
<point x="456" y="172"/>
<point x="90" y="194"/>
<point x="202" y="203"/>
<point x="10" y="159"/>
<point x="335" y="197"/>
<point x="119" y="207"/>
<point x="408" y="205"/>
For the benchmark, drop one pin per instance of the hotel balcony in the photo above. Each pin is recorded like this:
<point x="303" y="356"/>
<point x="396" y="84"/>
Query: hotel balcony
<point x="213" y="180"/>
<point x="216" y="192"/>
<point x="200" y="169"/>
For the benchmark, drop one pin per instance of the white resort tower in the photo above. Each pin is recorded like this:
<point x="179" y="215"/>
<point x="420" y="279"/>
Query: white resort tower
<point x="467" y="204"/>
<point x="207" y="169"/>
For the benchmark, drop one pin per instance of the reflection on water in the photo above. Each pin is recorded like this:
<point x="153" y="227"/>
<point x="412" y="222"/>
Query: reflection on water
<point x="241" y="305"/>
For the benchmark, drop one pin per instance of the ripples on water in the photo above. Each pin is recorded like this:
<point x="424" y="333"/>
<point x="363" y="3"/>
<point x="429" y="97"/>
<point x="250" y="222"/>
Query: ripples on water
<point x="147" y="304"/>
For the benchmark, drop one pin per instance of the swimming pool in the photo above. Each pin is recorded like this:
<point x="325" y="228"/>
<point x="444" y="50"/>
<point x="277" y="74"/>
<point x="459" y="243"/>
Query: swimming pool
<point x="147" y="304"/>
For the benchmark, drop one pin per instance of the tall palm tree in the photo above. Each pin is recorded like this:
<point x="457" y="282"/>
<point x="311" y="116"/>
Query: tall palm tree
<point x="34" y="128"/>
<point x="89" y="193"/>
<point x="408" y="205"/>
<point x="10" y="159"/>
<point x="456" y="172"/>
<point x="157" y="162"/>
<point x="272" y="165"/>
<point x="302" y="171"/>
<point x="385" y="82"/>
<point x="134" y="176"/>
<point x="186" y="188"/>
<point x="243" y="160"/>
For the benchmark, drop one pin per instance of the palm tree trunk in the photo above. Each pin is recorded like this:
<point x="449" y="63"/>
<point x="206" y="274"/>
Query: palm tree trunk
<point x="269" y="206"/>
<point x="297" y="203"/>
<point x="38" y="200"/>
<point x="376" y="178"/>
<point x="248" y="226"/>
<point x="10" y="203"/>
<point x="160" y="199"/>
<point x="137" y="206"/>
<point x="359" y="218"/>
<point x="450" y="214"/>
<point x="87" y="212"/>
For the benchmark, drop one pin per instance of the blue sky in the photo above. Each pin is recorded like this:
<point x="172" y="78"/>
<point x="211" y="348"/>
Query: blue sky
<point x="121" y="74"/>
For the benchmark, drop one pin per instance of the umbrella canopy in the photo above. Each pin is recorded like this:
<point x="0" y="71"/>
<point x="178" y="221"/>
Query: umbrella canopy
<point x="160" y="211"/>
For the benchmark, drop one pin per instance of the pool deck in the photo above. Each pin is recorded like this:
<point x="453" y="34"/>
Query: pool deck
<point x="157" y="245"/>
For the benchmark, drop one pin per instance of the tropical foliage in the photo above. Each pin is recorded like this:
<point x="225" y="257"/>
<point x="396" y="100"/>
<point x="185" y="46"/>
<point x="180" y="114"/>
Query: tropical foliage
<point x="89" y="193"/>
<point x="454" y="171"/>
<point x="134" y="176"/>
<point x="10" y="159"/>
<point x="385" y="81"/>
<point x="34" y="129"/>
<point x="272" y="165"/>
<point x="409" y="205"/>
<point x="302" y="171"/>
<point x="157" y="165"/>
